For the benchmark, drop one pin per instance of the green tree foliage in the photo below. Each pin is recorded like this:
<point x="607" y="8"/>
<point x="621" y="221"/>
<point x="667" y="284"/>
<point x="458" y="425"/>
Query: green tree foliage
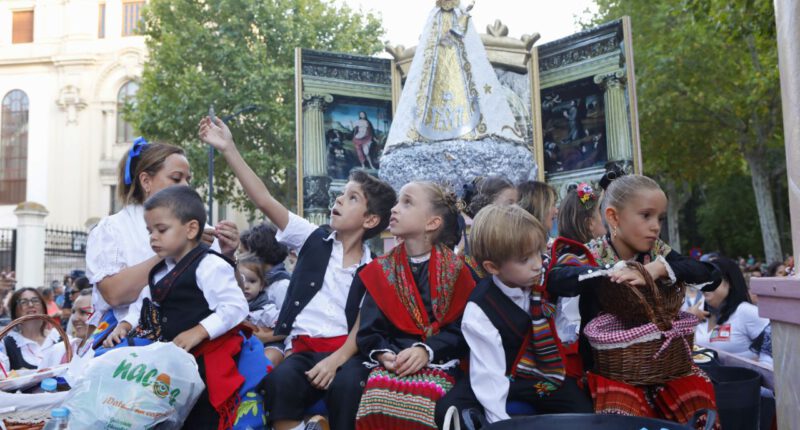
<point x="238" y="53"/>
<point x="709" y="96"/>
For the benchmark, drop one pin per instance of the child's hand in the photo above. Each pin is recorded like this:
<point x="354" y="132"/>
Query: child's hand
<point x="116" y="336"/>
<point x="216" y="134"/>
<point x="264" y="334"/>
<point x="657" y="269"/>
<point x="411" y="360"/>
<point x="191" y="338"/>
<point x="322" y="374"/>
<point x="387" y="360"/>
<point x="627" y="276"/>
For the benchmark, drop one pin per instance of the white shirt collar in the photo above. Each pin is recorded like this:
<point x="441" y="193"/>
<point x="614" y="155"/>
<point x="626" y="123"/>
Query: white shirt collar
<point x="512" y="293"/>
<point x="21" y="340"/>
<point x="365" y="256"/>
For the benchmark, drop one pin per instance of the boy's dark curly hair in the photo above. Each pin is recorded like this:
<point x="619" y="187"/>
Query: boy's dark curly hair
<point x="380" y="199"/>
<point x="260" y="240"/>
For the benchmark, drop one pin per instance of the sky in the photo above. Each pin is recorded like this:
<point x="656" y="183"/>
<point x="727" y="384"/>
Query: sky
<point x="552" y="19"/>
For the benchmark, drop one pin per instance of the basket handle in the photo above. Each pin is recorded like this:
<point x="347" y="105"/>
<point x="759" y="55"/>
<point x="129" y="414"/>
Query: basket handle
<point x="651" y="285"/>
<point x="57" y="325"/>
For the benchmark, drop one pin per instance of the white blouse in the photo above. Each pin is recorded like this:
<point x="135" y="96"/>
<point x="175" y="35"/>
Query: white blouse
<point x="117" y="242"/>
<point x="32" y="352"/>
<point x="736" y="334"/>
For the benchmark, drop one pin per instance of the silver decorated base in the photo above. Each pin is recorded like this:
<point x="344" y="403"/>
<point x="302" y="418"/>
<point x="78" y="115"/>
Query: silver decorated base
<point x="457" y="163"/>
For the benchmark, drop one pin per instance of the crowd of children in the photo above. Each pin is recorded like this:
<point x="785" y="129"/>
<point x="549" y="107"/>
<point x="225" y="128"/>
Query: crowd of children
<point x="393" y="341"/>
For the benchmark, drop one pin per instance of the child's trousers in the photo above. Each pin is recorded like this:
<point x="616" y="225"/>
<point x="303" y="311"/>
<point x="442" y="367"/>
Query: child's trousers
<point x="289" y="393"/>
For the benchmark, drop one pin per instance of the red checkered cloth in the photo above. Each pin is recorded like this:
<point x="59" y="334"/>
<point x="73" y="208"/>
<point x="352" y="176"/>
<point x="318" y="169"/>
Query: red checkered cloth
<point x="608" y="332"/>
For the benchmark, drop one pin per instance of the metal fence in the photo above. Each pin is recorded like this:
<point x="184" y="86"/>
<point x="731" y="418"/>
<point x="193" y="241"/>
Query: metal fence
<point x="64" y="250"/>
<point x="8" y="249"/>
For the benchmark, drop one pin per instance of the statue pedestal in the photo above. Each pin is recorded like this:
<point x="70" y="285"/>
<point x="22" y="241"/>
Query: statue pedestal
<point x="457" y="162"/>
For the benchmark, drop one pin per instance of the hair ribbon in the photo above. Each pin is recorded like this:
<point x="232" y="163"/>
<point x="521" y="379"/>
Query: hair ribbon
<point x="138" y="144"/>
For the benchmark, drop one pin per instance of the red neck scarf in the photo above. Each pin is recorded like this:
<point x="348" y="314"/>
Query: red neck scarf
<point x="390" y="283"/>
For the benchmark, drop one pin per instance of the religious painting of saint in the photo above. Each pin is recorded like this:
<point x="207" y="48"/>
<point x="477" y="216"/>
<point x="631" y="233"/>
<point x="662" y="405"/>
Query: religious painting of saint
<point x="355" y="134"/>
<point x="573" y="127"/>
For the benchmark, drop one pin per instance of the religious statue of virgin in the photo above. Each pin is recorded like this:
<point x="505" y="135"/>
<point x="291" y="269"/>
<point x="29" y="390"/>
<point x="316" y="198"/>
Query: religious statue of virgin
<point x="453" y="120"/>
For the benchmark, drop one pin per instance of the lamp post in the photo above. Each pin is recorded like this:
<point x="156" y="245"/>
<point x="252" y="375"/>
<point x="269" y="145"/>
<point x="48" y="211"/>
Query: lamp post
<point x="225" y="119"/>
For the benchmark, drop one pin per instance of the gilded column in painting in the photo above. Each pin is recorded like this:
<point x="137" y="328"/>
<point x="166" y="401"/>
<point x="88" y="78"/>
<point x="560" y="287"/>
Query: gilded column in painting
<point x="316" y="181"/>
<point x="620" y="147"/>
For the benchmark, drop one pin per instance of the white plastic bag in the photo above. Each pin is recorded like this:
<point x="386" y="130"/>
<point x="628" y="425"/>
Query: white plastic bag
<point x="135" y="388"/>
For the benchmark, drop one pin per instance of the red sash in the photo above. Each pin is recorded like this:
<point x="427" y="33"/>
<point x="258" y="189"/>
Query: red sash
<point x="222" y="377"/>
<point x="317" y="344"/>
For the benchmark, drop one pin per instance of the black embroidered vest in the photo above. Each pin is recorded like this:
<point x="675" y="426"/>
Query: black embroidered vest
<point x="512" y="322"/>
<point x="181" y="303"/>
<point x="307" y="279"/>
<point x="14" y="354"/>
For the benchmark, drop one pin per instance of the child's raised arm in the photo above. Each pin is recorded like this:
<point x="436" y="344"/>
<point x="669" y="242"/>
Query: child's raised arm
<point x="219" y="136"/>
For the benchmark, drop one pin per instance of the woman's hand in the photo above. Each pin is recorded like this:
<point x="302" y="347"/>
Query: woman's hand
<point x="216" y="134"/>
<point x="228" y="235"/>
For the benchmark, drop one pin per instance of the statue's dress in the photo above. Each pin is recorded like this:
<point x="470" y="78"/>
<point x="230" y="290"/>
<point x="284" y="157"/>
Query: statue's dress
<point x="453" y="120"/>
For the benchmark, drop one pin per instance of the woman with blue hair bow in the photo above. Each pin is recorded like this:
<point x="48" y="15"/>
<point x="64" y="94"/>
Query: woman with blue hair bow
<point x="118" y="253"/>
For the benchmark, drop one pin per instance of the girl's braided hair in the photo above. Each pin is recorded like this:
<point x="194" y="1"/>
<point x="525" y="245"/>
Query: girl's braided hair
<point x="446" y="204"/>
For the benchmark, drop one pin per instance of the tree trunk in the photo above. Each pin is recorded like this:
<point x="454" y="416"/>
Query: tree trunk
<point x="766" y="211"/>
<point x="677" y="200"/>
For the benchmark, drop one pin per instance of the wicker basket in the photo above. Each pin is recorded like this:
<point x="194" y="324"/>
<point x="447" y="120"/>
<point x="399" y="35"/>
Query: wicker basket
<point x="634" y="306"/>
<point x="32" y="420"/>
<point x="643" y="355"/>
<point x="672" y="297"/>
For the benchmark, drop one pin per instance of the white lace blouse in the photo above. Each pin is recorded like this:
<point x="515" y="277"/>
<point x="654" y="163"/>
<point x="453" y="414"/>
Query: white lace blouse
<point x="117" y="242"/>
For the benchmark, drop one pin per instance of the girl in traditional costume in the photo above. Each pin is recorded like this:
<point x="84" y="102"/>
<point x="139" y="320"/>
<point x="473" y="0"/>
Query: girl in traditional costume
<point x="634" y="207"/>
<point x="411" y="315"/>
<point x="579" y="221"/>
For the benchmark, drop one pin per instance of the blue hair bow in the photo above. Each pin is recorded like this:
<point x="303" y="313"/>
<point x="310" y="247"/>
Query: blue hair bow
<point x="136" y="149"/>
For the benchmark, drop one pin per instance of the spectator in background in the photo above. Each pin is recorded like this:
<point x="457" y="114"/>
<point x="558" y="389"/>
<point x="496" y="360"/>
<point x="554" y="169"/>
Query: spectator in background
<point x="25" y="346"/>
<point x="77" y="331"/>
<point x="52" y="308"/>
<point x="730" y="321"/>
<point x="81" y="310"/>
<point x="58" y="292"/>
<point x="6" y="287"/>
<point x="776" y="269"/>
<point x="71" y="294"/>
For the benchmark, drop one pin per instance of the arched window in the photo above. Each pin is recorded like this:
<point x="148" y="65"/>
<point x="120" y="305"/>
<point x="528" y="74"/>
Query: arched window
<point x="126" y="95"/>
<point x="14" y="147"/>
